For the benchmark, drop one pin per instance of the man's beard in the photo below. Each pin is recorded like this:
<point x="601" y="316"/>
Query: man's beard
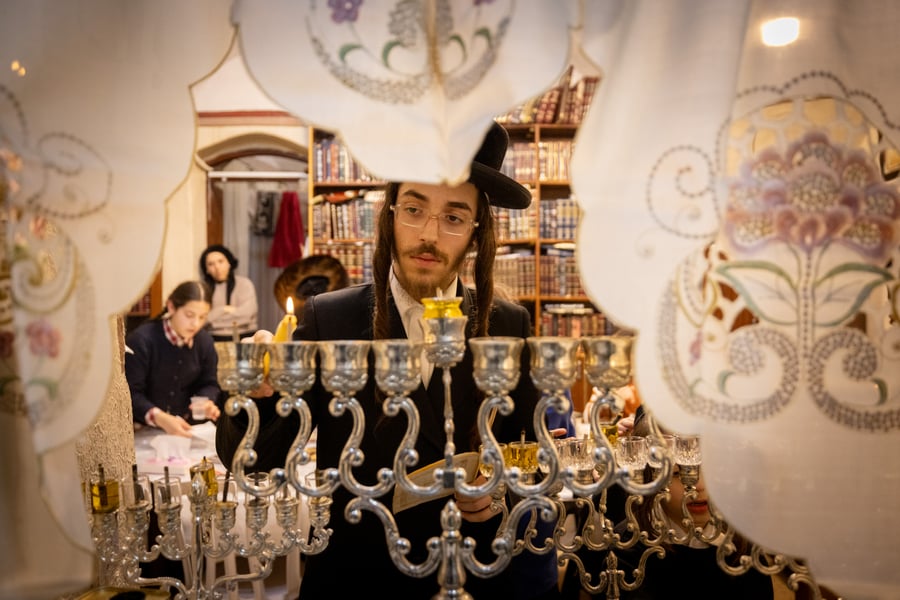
<point x="420" y="287"/>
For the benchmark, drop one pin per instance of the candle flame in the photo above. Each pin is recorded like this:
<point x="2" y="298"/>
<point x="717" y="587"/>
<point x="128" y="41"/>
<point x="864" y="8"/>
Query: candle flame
<point x="289" y="306"/>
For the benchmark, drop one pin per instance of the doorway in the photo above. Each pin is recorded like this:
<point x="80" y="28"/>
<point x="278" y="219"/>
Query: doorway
<point x="245" y="193"/>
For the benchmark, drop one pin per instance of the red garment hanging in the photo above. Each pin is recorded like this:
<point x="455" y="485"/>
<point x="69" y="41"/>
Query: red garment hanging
<point x="287" y="245"/>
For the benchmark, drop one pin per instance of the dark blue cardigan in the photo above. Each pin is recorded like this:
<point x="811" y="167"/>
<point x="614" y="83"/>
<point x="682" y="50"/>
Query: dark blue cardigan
<point x="164" y="375"/>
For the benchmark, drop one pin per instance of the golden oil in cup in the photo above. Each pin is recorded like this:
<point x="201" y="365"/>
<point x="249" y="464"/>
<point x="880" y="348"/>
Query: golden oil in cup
<point x="207" y="471"/>
<point x="437" y="308"/>
<point x="104" y="493"/>
<point x="524" y="456"/>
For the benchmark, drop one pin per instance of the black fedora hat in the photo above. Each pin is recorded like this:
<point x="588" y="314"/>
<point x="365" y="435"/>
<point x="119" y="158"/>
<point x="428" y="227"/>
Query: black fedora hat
<point x="485" y="173"/>
<point x="310" y="276"/>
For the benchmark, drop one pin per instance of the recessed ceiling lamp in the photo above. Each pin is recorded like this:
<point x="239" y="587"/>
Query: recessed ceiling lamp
<point x="781" y="31"/>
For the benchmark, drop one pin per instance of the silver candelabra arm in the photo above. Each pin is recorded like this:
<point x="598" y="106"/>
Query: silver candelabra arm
<point x="344" y="371"/>
<point x="491" y="460"/>
<point x="545" y="457"/>
<point x="171" y="538"/>
<point x="352" y="455"/>
<point x="222" y="539"/>
<point x="530" y="540"/>
<point x="398" y="546"/>
<point x="632" y="526"/>
<point x="406" y="455"/>
<point x="298" y="456"/>
<point x="287" y="516"/>
<point x="245" y="455"/>
<point x="505" y="545"/>
<point x="398" y="373"/>
<point x="802" y="575"/>
<point x="765" y="561"/>
<point x="445" y="346"/>
<point x="561" y="531"/>
<point x="256" y="516"/>
<point x="137" y="524"/>
<point x="241" y="368"/>
<point x="292" y="371"/>
<point x="231" y="582"/>
<point x="616" y="578"/>
<point x="105" y="534"/>
<point x="661" y="458"/>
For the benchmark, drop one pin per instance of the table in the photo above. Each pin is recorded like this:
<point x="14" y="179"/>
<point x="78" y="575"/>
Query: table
<point x="155" y="450"/>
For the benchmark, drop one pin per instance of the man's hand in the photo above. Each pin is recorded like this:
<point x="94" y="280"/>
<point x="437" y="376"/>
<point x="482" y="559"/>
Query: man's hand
<point x="476" y="510"/>
<point x="625" y="425"/>
<point x="265" y="389"/>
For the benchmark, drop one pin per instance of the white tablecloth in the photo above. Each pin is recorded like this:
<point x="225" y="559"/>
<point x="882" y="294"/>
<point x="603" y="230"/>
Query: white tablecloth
<point x="155" y="450"/>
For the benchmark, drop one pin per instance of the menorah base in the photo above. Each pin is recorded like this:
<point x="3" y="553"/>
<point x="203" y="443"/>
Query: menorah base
<point x="106" y="593"/>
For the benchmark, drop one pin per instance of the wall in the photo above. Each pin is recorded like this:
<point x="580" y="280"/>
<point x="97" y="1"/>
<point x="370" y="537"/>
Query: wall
<point x="249" y="118"/>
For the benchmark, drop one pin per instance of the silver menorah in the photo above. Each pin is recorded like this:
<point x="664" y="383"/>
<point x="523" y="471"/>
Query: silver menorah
<point x="551" y="479"/>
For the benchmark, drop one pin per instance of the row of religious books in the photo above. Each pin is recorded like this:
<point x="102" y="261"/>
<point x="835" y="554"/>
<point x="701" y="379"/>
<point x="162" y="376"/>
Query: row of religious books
<point x="142" y="306"/>
<point x="566" y="102"/>
<point x="559" y="272"/>
<point x="572" y="320"/>
<point x="552" y="164"/>
<point x="355" y="256"/>
<point x="343" y="215"/>
<point x="512" y="225"/>
<point x="513" y="272"/>
<point x="559" y="218"/>
<point x="551" y="218"/>
<point x="346" y="214"/>
<point x="332" y="163"/>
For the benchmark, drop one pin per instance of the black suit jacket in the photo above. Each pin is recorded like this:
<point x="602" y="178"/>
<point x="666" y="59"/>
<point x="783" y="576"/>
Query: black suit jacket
<point x="357" y="559"/>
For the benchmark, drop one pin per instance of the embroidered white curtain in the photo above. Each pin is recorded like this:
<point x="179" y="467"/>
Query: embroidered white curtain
<point x="747" y="185"/>
<point x="750" y="186"/>
<point x="96" y="132"/>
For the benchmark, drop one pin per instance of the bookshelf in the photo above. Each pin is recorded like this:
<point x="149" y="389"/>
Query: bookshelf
<point x="148" y="305"/>
<point x="536" y="263"/>
<point x="344" y="200"/>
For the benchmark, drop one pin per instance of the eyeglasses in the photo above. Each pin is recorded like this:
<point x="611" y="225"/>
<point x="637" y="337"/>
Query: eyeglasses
<point x="413" y="215"/>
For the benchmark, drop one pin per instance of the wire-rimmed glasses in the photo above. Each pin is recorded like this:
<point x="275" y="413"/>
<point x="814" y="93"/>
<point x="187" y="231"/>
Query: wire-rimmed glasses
<point x="449" y="223"/>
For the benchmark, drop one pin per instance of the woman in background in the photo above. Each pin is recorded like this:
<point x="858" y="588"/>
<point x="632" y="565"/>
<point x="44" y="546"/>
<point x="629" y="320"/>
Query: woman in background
<point x="234" y="305"/>
<point x="171" y="358"/>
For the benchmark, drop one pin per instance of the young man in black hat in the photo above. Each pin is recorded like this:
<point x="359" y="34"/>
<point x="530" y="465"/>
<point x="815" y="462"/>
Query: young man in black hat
<point x="424" y="233"/>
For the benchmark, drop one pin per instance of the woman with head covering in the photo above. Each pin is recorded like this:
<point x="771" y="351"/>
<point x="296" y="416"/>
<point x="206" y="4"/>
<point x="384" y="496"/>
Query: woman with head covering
<point x="234" y="306"/>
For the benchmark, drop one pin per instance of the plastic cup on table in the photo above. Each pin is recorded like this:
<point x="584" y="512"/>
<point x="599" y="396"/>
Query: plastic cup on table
<point x="198" y="407"/>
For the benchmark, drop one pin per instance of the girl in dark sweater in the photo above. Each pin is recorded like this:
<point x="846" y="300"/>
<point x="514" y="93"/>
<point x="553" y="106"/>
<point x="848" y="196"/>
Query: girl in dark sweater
<point x="171" y="358"/>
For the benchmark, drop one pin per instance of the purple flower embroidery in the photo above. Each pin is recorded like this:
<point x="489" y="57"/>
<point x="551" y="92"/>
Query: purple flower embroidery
<point x="43" y="338"/>
<point x="816" y="194"/>
<point x="696" y="348"/>
<point x="344" y="10"/>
